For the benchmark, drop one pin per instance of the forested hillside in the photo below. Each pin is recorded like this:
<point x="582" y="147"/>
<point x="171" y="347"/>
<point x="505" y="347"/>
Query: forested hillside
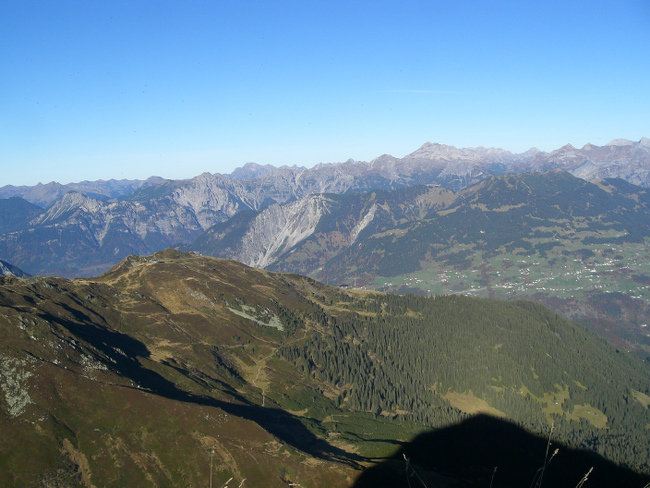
<point x="412" y="357"/>
<point x="173" y="363"/>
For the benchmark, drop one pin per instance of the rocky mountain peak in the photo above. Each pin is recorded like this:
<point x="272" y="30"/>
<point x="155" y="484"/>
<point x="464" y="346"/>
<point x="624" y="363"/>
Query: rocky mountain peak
<point x="69" y="203"/>
<point x="251" y="171"/>
<point x="621" y="142"/>
<point x="381" y="160"/>
<point x="75" y="199"/>
<point x="532" y="152"/>
<point x="434" y="150"/>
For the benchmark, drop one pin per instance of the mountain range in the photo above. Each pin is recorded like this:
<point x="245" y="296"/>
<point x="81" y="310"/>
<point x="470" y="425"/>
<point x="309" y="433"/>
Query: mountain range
<point x="182" y="370"/>
<point x="432" y="163"/>
<point x="83" y="229"/>
<point x="520" y="230"/>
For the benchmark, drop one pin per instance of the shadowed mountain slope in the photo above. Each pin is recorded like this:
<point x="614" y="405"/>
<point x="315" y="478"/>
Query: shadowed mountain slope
<point x="485" y="451"/>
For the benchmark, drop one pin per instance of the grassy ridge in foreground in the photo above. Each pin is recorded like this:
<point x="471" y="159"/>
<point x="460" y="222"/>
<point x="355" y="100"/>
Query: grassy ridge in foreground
<point x="135" y="377"/>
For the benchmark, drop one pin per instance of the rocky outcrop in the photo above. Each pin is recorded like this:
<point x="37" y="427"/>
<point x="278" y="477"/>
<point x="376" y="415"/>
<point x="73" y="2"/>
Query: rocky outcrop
<point x="9" y="269"/>
<point x="279" y="228"/>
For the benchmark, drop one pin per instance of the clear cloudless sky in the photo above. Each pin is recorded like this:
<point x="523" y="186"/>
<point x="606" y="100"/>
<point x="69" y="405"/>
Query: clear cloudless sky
<point x="93" y="89"/>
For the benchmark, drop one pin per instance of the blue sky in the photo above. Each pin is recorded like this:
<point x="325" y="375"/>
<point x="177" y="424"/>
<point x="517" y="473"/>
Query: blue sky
<point x="130" y="89"/>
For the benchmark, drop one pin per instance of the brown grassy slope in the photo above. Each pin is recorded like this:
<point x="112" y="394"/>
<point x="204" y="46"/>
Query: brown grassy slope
<point x="115" y="381"/>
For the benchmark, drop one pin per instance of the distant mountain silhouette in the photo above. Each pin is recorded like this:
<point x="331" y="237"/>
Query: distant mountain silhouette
<point x="466" y="455"/>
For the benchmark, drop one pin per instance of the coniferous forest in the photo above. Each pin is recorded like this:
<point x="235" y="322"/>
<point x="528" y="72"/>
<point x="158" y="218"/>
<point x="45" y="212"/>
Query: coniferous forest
<point x="407" y="357"/>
